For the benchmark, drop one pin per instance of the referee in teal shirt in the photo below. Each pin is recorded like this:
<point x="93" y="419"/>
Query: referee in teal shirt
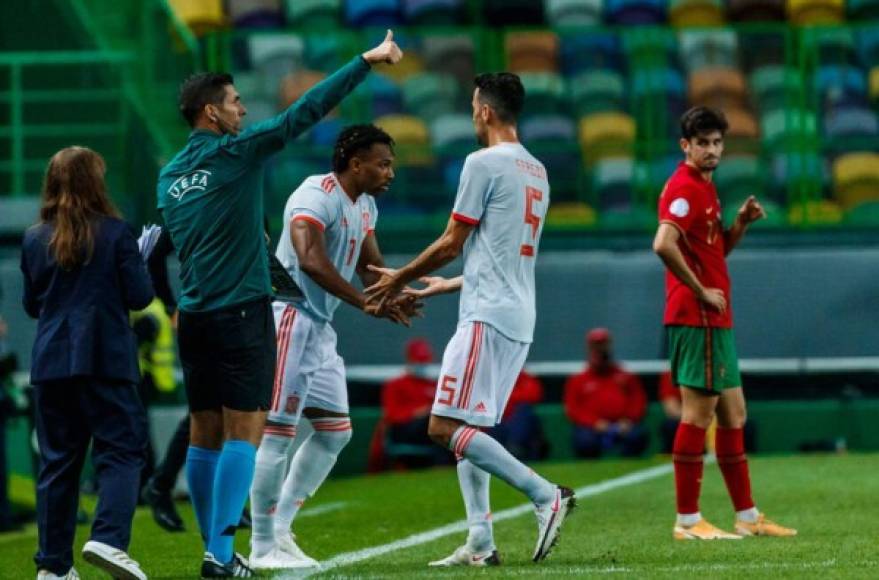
<point x="211" y="198"/>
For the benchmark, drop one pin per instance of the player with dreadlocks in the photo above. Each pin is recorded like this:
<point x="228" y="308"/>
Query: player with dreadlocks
<point x="329" y="225"/>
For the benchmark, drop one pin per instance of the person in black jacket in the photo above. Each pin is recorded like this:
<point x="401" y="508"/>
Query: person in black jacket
<point x="82" y="274"/>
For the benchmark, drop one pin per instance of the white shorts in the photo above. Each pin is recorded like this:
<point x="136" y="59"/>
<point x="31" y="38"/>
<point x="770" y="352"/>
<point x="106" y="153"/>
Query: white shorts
<point x="480" y="368"/>
<point x="309" y="371"/>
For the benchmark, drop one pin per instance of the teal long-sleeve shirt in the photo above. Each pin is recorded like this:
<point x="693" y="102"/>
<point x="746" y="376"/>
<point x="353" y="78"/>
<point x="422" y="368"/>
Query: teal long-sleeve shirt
<point x="211" y="198"/>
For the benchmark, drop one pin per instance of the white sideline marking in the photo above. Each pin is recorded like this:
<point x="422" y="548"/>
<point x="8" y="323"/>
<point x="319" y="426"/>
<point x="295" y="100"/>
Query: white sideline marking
<point x="348" y="558"/>
<point x="322" y="509"/>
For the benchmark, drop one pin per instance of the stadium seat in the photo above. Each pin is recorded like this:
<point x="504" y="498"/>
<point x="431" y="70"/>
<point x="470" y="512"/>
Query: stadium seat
<point x="856" y="178"/>
<point x="581" y="52"/>
<point x="201" y="16"/>
<point x="659" y="94"/>
<point x="816" y="212"/>
<point x="604" y="135"/>
<point x="721" y="88"/>
<point x="573" y="12"/>
<point x="784" y="129"/>
<point x="744" y="132"/>
<point x="834" y="46"/>
<point x="532" y="51"/>
<point x="570" y="215"/>
<point x="612" y="180"/>
<point x="412" y="138"/>
<point x="431" y="95"/>
<point x="775" y="87"/>
<point x="835" y="82"/>
<point x="874" y="84"/>
<point x="756" y="10"/>
<point x="762" y="47"/>
<point x="256" y="13"/>
<point x="863" y="215"/>
<point x="546" y="93"/>
<point x="597" y="91"/>
<point x="635" y="12"/>
<point x="696" y="12"/>
<point x="807" y="172"/>
<point x="453" y="131"/>
<point x="868" y="46"/>
<point x="636" y="217"/>
<point x="847" y="122"/>
<point x="314" y="14"/>
<point x="709" y="49"/>
<point x="275" y="51"/>
<point x="363" y="13"/>
<point x="324" y="134"/>
<point x="548" y="128"/>
<point x="512" y="12"/>
<point x="863" y="9"/>
<point x="739" y="176"/>
<point x="326" y="52"/>
<point x="384" y="95"/>
<point x="650" y="46"/>
<point x="452" y="54"/>
<point x="810" y="12"/>
<point x="294" y="85"/>
<point x="433" y="12"/>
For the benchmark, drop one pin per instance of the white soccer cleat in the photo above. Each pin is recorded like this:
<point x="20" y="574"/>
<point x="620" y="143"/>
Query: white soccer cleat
<point x="112" y="560"/>
<point x="277" y="559"/>
<point x="72" y="574"/>
<point x="463" y="556"/>
<point x="287" y="544"/>
<point x="550" y="517"/>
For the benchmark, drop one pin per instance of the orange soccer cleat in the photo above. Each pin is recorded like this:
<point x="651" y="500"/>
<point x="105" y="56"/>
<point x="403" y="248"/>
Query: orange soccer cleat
<point x="763" y="527"/>
<point x="702" y="530"/>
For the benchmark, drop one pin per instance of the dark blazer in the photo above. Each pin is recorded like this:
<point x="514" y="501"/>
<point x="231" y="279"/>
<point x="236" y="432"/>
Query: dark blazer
<point x="83" y="327"/>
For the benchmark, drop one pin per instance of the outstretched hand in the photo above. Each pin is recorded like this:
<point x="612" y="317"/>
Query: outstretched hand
<point x="433" y="285"/>
<point x="387" y="52"/>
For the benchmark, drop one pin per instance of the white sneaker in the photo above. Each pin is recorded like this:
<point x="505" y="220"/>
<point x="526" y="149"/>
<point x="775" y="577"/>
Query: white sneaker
<point x="277" y="559"/>
<point x="287" y="544"/>
<point x="463" y="556"/>
<point x="112" y="560"/>
<point x="72" y="574"/>
<point x="550" y="517"/>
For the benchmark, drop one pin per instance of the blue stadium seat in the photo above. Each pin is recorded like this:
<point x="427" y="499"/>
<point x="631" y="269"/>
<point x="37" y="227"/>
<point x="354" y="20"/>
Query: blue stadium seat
<point x="634" y="12"/>
<point x="386" y="97"/>
<point x="589" y="51"/>
<point x="362" y="13"/>
<point x="550" y="128"/>
<point x="848" y="122"/>
<point x="433" y="12"/>
<point x="325" y="133"/>
<point x="573" y="12"/>
<point x="868" y="46"/>
<point x="834" y="81"/>
<point x="612" y="182"/>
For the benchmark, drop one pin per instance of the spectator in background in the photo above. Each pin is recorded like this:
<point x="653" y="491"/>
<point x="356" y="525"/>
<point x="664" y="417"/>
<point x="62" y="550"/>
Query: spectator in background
<point x="669" y="396"/>
<point x="82" y="274"/>
<point x="605" y="403"/>
<point x="406" y="403"/>
<point x="520" y="430"/>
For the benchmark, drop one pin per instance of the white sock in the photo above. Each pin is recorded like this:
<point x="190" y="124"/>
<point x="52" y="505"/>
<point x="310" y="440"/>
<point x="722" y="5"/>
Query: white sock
<point x="689" y="519"/>
<point x="489" y="455"/>
<point x="310" y="466"/>
<point x="474" y="487"/>
<point x="749" y="515"/>
<point x="268" y="477"/>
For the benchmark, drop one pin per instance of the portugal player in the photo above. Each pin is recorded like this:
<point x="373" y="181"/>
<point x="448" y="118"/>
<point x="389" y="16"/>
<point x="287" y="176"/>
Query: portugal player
<point x="497" y="220"/>
<point x="693" y="245"/>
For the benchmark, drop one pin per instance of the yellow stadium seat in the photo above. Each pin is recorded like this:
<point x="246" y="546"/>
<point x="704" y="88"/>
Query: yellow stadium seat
<point x="815" y="212"/>
<point x="874" y="83"/>
<point x="807" y="12"/>
<point x="856" y="178"/>
<point x="413" y="64"/>
<point x="604" y="135"/>
<point x="411" y="136"/>
<point x="571" y="215"/>
<point x="696" y="12"/>
<point x="201" y="16"/>
<point x="532" y="51"/>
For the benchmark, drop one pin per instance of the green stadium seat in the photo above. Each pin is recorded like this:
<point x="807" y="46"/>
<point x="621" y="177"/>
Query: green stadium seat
<point x="275" y="55"/>
<point x="834" y="45"/>
<point x="786" y="129"/>
<point x="532" y="51"/>
<point x="775" y="87"/>
<point x="603" y="135"/>
<point x="256" y="13"/>
<point x="856" y="178"/>
<point x="868" y="46"/>
<point x="573" y="12"/>
<point x="756" y="10"/>
<point x="638" y="217"/>
<point x="863" y="9"/>
<point x="453" y="131"/>
<point x="863" y="215"/>
<point x="811" y="12"/>
<point x="431" y="95"/>
<point x="326" y="52"/>
<point x="696" y="12"/>
<point x="597" y="91"/>
<point x="201" y="16"/>
<point x="708" y="49"/>
<point x="314" y="14"/>
<point x="546" y="93"/>
<point x="739" y="176"/>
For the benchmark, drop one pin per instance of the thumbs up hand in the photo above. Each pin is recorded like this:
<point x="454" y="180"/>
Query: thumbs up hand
<point x="387" y="51"/>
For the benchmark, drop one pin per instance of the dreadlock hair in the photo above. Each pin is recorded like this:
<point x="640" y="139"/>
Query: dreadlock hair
<point x="701" y="120"/>
<point x="355" y="139"/>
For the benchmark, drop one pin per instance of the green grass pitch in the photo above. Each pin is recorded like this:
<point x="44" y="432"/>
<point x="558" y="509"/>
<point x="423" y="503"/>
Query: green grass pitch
<point x="623" y="532"/>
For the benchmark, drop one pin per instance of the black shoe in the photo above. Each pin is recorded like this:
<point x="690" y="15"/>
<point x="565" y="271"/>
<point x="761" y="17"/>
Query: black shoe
<point x="163" y="508"/>
<point x="245" y="521"/>
<point x="237" y="568"/>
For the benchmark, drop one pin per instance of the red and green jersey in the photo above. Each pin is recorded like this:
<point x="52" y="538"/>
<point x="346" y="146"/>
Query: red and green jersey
<point x="690" y="203"/>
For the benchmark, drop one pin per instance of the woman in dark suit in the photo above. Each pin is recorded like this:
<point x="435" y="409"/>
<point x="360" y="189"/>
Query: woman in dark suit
<point x="82" y="274"/>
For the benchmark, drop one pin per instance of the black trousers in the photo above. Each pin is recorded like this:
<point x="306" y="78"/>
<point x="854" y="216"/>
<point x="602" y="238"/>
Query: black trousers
<point x="71" y="414"/>
<point x="175" y="457"/>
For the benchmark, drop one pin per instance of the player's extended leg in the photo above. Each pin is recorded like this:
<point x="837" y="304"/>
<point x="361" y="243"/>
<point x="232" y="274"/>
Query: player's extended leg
<point x="698" y="407"/>
<point x="479" y="550"/>
<point x="271" y="467"/>
<point x="733" y="463"/>
<point x="205" y="440"/>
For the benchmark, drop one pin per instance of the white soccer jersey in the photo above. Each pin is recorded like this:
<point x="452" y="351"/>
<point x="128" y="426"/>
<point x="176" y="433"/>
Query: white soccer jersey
<point x="505" y="193"/>
<point x="321" y="201"/>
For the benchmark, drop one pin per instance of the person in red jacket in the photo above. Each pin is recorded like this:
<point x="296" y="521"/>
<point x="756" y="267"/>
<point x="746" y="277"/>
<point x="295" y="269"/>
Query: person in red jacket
<point x="605" y="403"/>
<point x="520" y="430"/>
<point x="406" y="404"/>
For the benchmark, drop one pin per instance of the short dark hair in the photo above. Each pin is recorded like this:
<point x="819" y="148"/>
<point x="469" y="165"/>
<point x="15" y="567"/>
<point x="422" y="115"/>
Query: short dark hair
<point x="199" y="90"/>
<point x="503" y="92"/>
<point x="701" y="120"/>
<point x="354" y="139"/>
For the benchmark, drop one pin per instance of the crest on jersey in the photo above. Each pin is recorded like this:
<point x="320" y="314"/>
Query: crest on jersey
<point x="195" y="181"/>
<point x="679" y="207"/>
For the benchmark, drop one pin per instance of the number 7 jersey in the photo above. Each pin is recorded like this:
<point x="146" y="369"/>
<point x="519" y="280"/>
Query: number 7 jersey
<point x="505" y="194"/>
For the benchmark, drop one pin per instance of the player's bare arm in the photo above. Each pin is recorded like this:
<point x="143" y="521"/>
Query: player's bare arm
<point x="310" y="247"/>
<point x="445" y="249"/>
<point x="369" y="269"/>
<point x="750" y="212"/>
<point x="665" y="245"/>
<point x="433" y="284"/>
